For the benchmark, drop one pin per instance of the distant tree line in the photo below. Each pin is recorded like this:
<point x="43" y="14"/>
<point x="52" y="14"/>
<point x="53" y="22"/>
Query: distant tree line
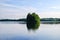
<point x="50" y="19"/>
<point x="23" y="19"/>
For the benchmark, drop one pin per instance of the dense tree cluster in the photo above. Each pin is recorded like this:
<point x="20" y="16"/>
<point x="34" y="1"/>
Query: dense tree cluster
<point x="33" y="21"/>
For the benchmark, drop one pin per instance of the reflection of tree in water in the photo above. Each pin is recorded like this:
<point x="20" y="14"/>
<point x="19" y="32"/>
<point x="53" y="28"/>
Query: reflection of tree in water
<point x="32" y="26"/>
<point x="33" y="21"/>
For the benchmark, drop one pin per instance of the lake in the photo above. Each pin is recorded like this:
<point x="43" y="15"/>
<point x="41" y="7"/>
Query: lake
<point x="19" y="31"/>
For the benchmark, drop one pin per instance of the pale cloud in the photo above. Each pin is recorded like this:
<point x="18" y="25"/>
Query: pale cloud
<point x="3" y="1"/>
<point x="13" y="11"/>
<point x="8" y="5"/>
<point x="55" y="7"/>
<point x="18" y="7"/>
<point x="49" y="14"/>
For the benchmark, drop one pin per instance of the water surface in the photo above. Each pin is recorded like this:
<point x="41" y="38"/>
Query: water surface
<point x="18" y="31"/>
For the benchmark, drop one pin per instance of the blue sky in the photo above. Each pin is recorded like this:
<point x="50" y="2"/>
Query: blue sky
<point x="20" y="8"/>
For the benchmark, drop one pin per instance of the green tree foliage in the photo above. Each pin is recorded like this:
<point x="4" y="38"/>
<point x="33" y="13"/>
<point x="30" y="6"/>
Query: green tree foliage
<point x="33" y="21"/>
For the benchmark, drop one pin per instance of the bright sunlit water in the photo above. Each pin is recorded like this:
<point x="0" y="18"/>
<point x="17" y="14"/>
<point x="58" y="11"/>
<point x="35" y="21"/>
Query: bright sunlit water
<point x="18" y="31"/>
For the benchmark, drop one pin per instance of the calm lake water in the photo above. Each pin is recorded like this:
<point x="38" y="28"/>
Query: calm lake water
<point x="19" y="31"/>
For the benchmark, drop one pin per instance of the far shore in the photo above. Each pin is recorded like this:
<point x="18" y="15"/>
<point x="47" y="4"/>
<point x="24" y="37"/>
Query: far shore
<point x="42" y="20"/>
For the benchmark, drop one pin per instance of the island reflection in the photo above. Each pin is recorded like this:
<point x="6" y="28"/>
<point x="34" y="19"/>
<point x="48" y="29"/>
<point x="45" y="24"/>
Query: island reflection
<point x="32" y="26"/>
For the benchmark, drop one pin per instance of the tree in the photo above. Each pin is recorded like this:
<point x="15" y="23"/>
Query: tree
<point x="33" y="21"/>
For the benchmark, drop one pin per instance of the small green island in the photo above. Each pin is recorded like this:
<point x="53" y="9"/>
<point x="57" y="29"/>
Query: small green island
<point x="33" y="21"/>
<point x="32" y="17"/>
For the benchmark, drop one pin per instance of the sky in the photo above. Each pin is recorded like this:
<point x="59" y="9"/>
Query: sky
<point x="16" y="9"/>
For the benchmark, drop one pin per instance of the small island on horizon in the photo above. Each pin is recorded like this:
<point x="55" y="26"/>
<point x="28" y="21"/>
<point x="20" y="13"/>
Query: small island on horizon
<point x="43" y="20"/>
<point x="35" y="17"/>
<point x="24" y="19"/>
